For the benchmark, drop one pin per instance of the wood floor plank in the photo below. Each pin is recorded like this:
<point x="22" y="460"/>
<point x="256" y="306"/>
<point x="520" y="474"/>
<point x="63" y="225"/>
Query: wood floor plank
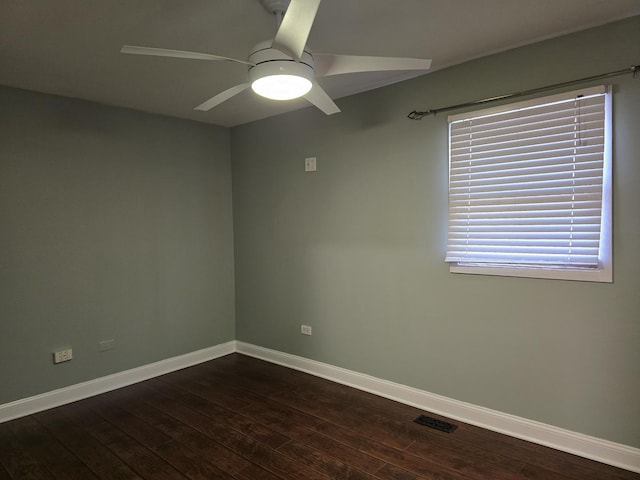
<point x="240" y="418"/>
<point x="330" y="409"/>
<point x="128" y="423"/>
<point x="532" y="472"/>
<point x="312" y="448"/>
<point x="105" y="464"/>
<point x="59" y="461"/>
<point x="326" y="401"/>
<point x="333" y="448"/>
<point x="4" y="475"/>
<point x="256" y="472"/>
<point x="280" y="415"/>
<point x="327" y="455"/>
<point x="187" y="461"/>
<point x="230" y="418"/>
<point x="459" y="456"/>
<point x="319" y="461"/>
<point x="191" y="439"/>
<point x="241" y="372"/>
<point x="245" y="446"/>
<point x="212" y="388"/>
<point x="391" y="472"/>
<point x="17" y="460"/>
<point x="277" y="417"/>
<point x="245" y="424"/>
<point x="139" y="458"/>
<point x="579" y="468"/>
<point x="545" y="458"/>
<point x="398" y="458"/>
<point x="299" y="427"/>
<point x="228" y="396"/>
<point x="469" y="460"/>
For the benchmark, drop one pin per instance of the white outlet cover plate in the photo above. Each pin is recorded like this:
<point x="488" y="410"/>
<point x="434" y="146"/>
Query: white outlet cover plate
<point x="60" y="356"/>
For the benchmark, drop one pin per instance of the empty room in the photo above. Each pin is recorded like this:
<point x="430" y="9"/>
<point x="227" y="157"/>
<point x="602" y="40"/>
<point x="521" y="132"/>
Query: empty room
<point x="304" y="239"/>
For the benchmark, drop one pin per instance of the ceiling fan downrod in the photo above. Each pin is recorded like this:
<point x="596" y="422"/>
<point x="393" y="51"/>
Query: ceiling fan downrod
<point x="277" y="8"/>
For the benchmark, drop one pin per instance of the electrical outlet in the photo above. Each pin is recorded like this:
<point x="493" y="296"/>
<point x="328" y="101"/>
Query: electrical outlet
<point x="105" y="345"/>
<point x="62" y="355"/>
<point x="306" y="330"/>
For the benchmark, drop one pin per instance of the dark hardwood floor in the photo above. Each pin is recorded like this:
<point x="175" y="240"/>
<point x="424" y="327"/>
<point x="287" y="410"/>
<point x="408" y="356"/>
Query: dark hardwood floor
<point x="240" y="418"/>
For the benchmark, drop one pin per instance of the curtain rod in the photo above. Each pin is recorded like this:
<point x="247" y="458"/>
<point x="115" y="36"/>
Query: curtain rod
<point x="416" y="115"/>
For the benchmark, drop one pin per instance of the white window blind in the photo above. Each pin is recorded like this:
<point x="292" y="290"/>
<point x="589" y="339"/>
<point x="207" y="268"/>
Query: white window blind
<point x="526" y="183"/>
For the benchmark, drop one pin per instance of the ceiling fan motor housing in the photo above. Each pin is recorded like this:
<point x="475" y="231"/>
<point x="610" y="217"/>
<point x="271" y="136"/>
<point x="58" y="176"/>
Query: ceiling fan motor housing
<point x="266" y="59"/>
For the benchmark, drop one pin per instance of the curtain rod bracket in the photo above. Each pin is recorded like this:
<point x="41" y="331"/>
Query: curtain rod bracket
<point x="415" y="115"/>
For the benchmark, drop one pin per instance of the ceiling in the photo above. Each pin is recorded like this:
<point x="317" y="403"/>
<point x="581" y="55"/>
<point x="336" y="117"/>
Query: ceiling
<point x="71" y="47"/>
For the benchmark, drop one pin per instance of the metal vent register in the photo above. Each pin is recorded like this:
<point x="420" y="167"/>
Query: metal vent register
<point x="435" y="424"/>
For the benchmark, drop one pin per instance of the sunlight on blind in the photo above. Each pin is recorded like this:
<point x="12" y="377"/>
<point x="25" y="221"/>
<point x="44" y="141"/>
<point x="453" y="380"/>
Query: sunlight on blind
<point x="526" y="184"/>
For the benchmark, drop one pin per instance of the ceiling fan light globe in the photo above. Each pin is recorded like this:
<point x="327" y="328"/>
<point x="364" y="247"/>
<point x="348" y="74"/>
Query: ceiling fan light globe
<point x="281" y="87"/>
<point x="281" y="79"/>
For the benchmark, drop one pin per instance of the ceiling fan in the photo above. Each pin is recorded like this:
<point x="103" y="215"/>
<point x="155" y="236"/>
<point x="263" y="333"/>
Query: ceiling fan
<point x="283" y="68"/>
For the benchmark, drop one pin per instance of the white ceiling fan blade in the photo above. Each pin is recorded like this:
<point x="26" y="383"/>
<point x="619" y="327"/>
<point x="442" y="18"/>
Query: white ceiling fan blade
<point x="222" y="97"/>
<point x="295" y="27"/>
<point x="320" y="99"/>
<point x="164" y="52"/>
<point x="327" y="64"/>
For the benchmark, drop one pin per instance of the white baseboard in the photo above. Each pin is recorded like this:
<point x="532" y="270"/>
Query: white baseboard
<point x="586" y="446"/>
<point x="72" y="393"/>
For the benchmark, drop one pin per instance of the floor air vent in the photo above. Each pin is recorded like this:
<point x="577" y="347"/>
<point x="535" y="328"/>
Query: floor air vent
<point x="435" y="423"/>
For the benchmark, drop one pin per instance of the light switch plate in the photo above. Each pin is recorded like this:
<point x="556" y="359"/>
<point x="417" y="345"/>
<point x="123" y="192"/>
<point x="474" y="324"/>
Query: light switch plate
<point x="310" y="164"/>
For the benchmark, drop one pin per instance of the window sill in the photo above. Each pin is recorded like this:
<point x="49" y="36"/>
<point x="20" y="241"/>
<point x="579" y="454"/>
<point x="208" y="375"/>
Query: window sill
<point x="602" y="275"/>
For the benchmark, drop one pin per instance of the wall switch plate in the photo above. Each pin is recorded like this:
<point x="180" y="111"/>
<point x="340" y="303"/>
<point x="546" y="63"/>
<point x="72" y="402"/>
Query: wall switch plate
<point x="64" y="355"/>
<point x="105" y="345"/>
<point x="306" y="330"/>
<point x="310" y="164"/>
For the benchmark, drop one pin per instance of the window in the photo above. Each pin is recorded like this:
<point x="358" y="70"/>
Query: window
<point x="530" y="188"/>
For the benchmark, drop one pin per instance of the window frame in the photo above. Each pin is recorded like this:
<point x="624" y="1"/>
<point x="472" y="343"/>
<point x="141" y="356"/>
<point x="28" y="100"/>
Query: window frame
<point x="604" y="271"/>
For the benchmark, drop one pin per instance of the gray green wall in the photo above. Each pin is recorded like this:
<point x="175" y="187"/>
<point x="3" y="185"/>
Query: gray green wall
<point x="114" y="224"/>
<point x="118" y="224"/>
<point x="356" y="250"/>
